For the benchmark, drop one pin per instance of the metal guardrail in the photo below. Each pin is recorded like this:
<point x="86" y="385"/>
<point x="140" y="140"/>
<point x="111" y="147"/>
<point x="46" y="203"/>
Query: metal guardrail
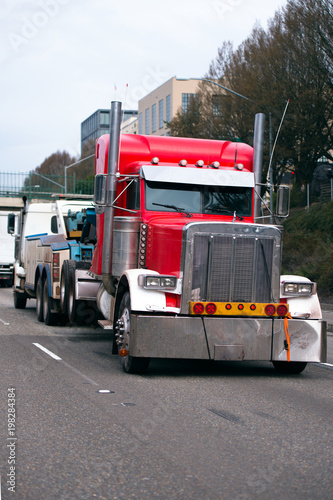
<point x="32" y="185"/>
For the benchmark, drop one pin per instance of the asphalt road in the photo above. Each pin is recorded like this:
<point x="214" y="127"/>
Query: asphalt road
<point x="185" y="430"/>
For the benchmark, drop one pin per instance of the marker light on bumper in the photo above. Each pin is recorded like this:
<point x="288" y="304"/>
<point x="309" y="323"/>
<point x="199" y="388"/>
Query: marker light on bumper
<point x="265" y="310"/>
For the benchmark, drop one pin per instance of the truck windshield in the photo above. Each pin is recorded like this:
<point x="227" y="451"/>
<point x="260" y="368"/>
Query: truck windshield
<point x="217" y="200"/>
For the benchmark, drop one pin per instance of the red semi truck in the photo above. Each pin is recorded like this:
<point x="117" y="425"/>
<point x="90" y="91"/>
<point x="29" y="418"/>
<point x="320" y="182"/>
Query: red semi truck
<point x="185" y="269"/>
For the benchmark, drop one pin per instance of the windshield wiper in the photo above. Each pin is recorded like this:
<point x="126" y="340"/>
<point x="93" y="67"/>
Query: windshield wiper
<point x="226" y="211"/>
<point x="173" y="207"/>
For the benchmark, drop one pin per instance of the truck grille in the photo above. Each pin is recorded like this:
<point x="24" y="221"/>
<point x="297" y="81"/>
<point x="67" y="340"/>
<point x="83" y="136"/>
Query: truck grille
<point x="229" y="267"/>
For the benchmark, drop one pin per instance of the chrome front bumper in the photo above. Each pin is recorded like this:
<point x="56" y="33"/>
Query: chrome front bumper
<point x="227" y="339"/>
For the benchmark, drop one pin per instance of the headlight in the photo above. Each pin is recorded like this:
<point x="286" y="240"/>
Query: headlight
<point x="169" y="282"/>
<point x="290" y="288"/>
<point x="158" y="282"/>
<point x="304" y="289"/>
<point x="152" y="281"/>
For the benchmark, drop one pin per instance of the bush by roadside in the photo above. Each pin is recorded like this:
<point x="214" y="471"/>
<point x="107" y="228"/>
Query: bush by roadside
<point x="308" y="246"/>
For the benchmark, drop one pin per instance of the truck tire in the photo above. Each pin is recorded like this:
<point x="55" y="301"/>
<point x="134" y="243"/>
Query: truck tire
<point x="66" y="288"/>
<point x="74" y="307"/>
<point x="20" y="301"/>
<point x="49" y="316"/>
<point x="39" y="300"/>
<point x="289" y="367"/>
<point x="129" y="364"/>
<point x="86" y="312"/>
<point x="81" y="312"/>
<point x="71" y="301"/>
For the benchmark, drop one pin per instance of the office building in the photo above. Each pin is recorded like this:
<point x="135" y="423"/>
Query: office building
<point x="130" y="126"/>
<point x="98" y="124"/>
<point x="155" y="110"/>
<point x="161" y="105"/>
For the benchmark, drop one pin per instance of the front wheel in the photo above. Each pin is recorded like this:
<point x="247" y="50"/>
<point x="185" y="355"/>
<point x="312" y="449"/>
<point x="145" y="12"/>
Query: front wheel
<point x="130" y="364"/>
<point x="289" y="367"/>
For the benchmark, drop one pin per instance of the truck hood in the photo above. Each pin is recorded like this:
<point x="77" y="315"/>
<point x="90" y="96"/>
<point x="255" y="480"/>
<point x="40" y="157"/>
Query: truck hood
<point x="164" y="242"/>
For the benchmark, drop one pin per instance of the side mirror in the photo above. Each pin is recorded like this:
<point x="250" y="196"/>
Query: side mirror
<point x="100" y="189"/>
<point x="283" y="201"/>
<point x="11" y="223"/>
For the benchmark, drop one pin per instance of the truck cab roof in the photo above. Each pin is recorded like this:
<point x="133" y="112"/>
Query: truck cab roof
<point x="136" y="150"/>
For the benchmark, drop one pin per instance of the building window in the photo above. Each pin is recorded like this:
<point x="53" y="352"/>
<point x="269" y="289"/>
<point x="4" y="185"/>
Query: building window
<point x="153" y="118"/>
<point x="168" y="108"/>
<point x="160" y="114"/>
<point x="104" y="118"/>
<point x="186" y="98"/>
<point x="140" y="124"/>
<point x="147" y="124"/>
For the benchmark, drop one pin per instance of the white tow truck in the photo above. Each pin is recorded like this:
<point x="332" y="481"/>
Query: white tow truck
<point x="54" y="247"/>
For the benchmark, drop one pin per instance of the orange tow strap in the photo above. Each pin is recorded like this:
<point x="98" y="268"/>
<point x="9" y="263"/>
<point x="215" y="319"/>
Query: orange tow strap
<point x="287" y="341"/>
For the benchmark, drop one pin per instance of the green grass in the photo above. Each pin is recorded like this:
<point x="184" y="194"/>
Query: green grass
<point x="308" y="246"/>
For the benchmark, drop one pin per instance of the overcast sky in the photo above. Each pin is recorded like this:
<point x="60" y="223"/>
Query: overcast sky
<point x="63" y="59"/>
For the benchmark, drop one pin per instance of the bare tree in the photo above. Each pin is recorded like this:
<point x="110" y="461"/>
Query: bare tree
<point x="290" y="61"/>
<point x="187" y="124"/>
<point x="49" y="175"/>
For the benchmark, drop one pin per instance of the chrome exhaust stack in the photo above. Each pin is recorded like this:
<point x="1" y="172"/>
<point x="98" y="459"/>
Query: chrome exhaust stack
<point x="111" y="187"/>
<point x="258" y="147"/>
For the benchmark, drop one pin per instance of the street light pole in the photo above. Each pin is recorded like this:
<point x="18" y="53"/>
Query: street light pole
<point x="226" y="88"/>
<point x="73" y="165"/>
<point x="260" y="120"/>
<point x="271" y="150"/>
